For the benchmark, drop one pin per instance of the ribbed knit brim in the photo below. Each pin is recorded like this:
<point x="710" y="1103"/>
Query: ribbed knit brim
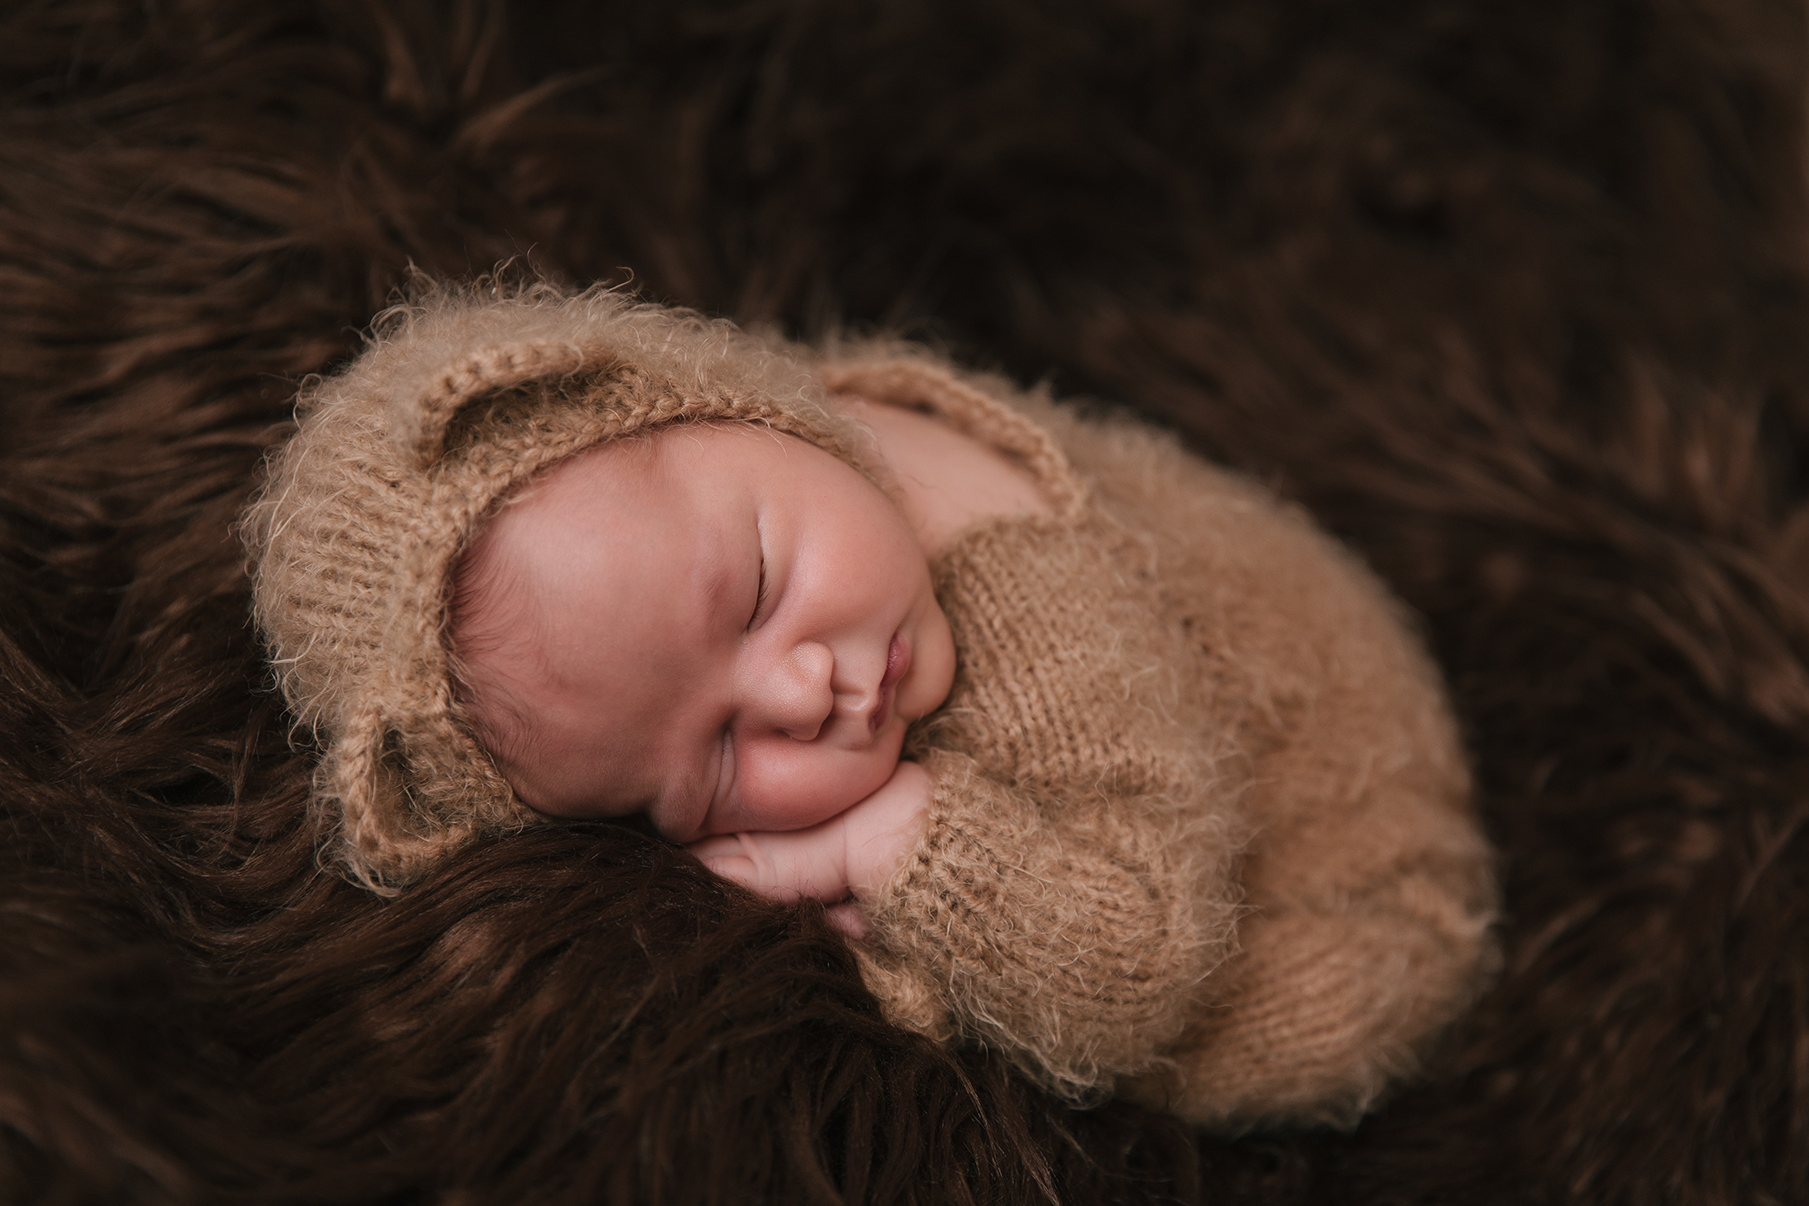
<point x="460" y="396"/>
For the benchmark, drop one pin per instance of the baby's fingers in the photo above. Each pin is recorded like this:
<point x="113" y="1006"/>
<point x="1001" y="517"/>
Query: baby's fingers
<point x="734" y="860"/>
<point x="847" y="918"/>
<point x="779" y="866"/>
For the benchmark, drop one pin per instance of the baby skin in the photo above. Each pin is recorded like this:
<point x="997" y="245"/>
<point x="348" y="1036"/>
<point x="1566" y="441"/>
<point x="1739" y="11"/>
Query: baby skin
<point x="729" y="629"/>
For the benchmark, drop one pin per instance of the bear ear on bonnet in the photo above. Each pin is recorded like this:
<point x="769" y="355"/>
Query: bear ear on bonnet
<point x="460" y="395"/>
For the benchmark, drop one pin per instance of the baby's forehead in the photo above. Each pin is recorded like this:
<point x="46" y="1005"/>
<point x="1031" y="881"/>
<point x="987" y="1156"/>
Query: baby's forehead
<point x="640" y="498"/>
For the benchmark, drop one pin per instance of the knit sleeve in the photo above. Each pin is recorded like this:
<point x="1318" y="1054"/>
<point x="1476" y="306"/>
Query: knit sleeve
<point x="1073" y="888"/>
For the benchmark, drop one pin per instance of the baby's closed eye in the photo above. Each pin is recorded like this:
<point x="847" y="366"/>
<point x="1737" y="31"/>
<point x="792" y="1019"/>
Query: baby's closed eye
<point x="753" y="620"/>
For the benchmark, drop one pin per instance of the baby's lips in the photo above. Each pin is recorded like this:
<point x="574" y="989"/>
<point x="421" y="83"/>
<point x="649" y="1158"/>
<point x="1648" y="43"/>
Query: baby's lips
<point x="898" y="660"/>
<point x="898" y="664"/>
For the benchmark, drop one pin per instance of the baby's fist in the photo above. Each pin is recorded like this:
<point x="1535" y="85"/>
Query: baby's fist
<point x="882" y="829"/>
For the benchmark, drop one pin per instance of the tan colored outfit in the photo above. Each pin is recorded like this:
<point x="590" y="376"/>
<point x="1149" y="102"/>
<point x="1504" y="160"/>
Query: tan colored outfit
<point x="1171" y="664"/>
<point x="1200" y="830"/>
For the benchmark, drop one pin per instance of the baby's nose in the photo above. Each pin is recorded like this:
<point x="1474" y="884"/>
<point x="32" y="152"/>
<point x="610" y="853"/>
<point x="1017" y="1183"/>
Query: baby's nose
<point x="800" y="693"/>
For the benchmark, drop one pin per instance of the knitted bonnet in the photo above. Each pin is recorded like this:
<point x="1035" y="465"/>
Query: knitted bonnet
<point x="459" y="396"/>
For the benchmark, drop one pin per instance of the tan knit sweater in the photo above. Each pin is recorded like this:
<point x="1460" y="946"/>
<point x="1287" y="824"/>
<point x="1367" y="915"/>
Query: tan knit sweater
<point x="1201" y="830"/>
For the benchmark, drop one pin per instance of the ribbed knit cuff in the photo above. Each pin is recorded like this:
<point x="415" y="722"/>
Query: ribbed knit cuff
<point x="1076" y="948"/>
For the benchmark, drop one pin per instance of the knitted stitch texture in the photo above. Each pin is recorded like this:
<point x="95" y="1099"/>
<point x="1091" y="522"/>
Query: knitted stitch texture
<point x="1173" y="662"/>
<point x="459" y="397"/>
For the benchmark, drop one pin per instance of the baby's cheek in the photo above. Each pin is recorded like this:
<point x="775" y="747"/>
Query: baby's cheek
<point x="793" y="788"/>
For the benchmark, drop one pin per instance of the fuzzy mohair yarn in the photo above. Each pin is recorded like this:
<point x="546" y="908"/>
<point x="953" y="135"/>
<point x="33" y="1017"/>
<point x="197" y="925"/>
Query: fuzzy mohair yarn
<point x="1511" y="297"/>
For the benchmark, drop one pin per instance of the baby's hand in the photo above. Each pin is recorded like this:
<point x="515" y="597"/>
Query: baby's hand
<point x="852" y="853"/>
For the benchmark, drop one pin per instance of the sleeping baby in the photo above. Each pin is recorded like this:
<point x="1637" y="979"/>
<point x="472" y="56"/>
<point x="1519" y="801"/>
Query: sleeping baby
<point x="1102" y="757"/>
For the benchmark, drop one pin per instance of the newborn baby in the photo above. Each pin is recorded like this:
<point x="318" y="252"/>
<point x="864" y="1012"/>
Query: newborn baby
<point x="796" y="639"/>
<point x="1184" y="815"/>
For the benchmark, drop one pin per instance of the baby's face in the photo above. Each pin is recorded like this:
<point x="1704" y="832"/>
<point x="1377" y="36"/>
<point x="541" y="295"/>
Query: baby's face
<point x="727" y="627"/>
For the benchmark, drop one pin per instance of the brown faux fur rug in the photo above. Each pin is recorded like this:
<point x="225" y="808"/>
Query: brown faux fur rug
<point x="1513" y="296"/>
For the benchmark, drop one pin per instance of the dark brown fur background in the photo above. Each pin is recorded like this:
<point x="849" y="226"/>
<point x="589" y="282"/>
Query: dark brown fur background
<point x="1513" y="296"/>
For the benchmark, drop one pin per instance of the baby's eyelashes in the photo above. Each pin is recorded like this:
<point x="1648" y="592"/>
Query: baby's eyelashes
<point x="753" y="620"/>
